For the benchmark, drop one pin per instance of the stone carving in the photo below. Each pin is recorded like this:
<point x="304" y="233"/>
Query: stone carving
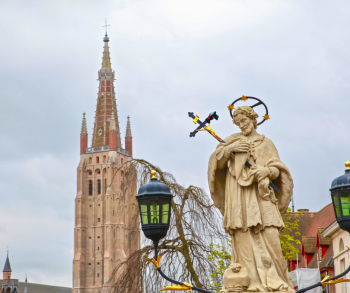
<point x="251" y="209"/>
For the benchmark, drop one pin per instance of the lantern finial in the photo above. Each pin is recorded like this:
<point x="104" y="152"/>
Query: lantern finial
<point x="153" y="172"/>
<point x="347" y="164"/>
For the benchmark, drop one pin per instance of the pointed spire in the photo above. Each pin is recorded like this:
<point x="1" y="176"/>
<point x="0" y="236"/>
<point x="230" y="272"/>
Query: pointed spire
<point x="112" y="125"/>
<point x="26" y="278"/>
<point x="128" y="128"/>
<point x="7" y="267"/>
<point x="106" y="59"/>
<point x="83" y="125"/>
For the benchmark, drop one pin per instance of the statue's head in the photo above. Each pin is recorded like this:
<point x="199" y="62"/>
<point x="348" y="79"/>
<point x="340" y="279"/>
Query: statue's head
<point x="245" y="118"/>
<point x="235" y="267"/>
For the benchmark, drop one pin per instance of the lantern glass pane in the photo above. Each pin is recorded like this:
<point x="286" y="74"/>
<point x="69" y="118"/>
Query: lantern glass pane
<point x="345" y="203"/>
<point x="154" y="208"/>
<point x="336" y="204"/>
<point x="165" y="212"/>
<point x="144" y="217"/>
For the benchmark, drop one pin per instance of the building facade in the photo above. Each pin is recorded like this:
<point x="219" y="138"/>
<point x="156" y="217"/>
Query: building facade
<point x="107" y="228"/>
<point x="341" y="255"/>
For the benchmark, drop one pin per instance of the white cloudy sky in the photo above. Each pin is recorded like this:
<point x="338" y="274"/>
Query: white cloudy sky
<point x="170" y="57"/>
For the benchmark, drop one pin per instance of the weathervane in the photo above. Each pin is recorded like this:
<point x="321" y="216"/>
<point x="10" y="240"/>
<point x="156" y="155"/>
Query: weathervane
<point x="205" y="125"/>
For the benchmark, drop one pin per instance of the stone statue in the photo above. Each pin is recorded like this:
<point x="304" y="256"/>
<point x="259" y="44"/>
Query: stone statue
<point x="251" y="209"/>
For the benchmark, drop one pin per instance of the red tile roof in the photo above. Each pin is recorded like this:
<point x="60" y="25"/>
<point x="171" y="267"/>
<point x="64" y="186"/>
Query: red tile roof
<point x="321" y="220"/>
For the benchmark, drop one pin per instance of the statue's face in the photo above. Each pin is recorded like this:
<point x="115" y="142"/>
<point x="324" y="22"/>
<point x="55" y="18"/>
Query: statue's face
<point x="245" y="124"/>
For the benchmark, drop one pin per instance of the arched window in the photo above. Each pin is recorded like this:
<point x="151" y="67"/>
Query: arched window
<point x="98" y="186"/>
<point x="104" y="159"/>
<point x="90" y="160"/>
<point x="122" y="160"/>
<point x="105" y="185"/>
<point x="341" y="245"/>
<point x="90" y="187"/>
<point x="97" y="159"/>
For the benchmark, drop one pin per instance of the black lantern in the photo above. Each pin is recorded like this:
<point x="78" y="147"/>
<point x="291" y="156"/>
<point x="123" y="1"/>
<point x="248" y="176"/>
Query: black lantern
<point x="340" y="191"/>
<point x="154" y="201"/>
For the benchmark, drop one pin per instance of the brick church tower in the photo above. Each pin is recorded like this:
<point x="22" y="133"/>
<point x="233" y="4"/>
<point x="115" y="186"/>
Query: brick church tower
<point x="107" y="228"/>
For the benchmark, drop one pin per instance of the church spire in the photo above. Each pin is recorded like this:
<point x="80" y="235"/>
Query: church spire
<point x="83" y="125"/>
<point x="83" y="136"/>
<point x="7" y="268"/>
<point x="128" y="128"/>
<point x="128" y="138"/>
<point x="106" y="103"/>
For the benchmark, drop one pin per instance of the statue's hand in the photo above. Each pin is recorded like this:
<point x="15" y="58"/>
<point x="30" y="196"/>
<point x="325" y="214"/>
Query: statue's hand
<point x="238" y="147"/>
<point x="260" y="172"/>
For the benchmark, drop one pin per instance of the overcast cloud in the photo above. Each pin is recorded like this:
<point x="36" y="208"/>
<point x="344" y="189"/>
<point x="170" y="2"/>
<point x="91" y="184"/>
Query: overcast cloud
<point x="170" y="57"/>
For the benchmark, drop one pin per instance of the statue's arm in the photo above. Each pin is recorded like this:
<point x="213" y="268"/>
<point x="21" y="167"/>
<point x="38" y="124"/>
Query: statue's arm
<point x="222" y="156"/>
<point x="274" y="173"/>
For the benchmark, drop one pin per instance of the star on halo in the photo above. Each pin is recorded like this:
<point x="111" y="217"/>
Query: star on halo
<point x="266" y="117"/>
<point x="244" y="98"/>
<point x="230" y="107"/>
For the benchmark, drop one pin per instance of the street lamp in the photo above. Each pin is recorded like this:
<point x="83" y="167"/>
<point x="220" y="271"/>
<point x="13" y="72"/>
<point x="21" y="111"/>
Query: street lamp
<point x="340" y="193"/>
<point x="154" y="201"/>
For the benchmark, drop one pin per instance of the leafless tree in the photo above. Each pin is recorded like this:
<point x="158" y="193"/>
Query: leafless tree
<point x="195" y="223"/>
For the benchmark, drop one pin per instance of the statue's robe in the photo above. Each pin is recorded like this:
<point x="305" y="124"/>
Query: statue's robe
<point x="251" y="209"/>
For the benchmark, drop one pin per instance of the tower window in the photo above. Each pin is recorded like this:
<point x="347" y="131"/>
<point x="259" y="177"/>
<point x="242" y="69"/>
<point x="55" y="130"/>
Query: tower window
<point x="122" y="160"/>
<point x="105" y="185"/>
<point x="90" y="173"/>
<point x="98" y="263"/>
<point x="89" y="237"/>
<point x="104" y="159"/>
<point x="90" y="206"/>
<point x="90" y="187"/>
<point x="98" y="186"/>
<point x="98" y="248"/>
<point x="90" y="160"/>
<point x="98" y="275"/>
<point x="99" y="219"/>
<point x="113" y="212"/>
<point x="98" y="236"/>
<point x="97" y="159"/>
<point x="89" y="264"/>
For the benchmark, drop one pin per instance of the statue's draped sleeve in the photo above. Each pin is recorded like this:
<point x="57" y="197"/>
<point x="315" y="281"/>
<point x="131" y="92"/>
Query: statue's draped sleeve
<point x="266" y="155"/>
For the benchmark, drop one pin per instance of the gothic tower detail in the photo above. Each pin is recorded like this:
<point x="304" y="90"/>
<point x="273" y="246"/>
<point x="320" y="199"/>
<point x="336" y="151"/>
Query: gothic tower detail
<point x="107" y="228"/>
<point x="128" y="137"/>
<point x="8" y="285"/>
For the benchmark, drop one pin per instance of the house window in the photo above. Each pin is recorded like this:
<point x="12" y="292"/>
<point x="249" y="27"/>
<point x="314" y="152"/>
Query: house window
<point x="97" y="159"/>
<point x="90" y="187"/>
<point x="98" y="186"/>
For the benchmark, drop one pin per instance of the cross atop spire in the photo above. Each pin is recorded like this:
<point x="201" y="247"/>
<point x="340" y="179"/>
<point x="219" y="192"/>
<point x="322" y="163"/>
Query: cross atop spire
<point x="106" y="26"/>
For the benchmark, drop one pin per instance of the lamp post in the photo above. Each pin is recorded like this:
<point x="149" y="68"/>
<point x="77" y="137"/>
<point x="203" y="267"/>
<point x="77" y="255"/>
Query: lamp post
<point x="340" y="193"/>
<point x="154" y="201"/>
